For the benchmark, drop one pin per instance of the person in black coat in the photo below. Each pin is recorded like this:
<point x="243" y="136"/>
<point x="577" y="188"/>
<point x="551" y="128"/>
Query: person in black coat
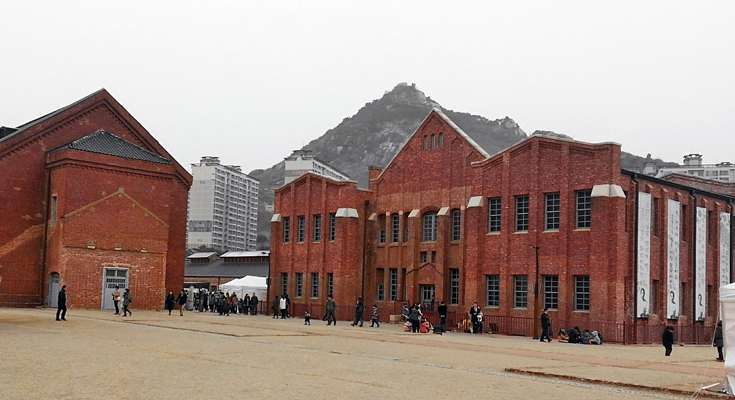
<point x="545" y="325"/>
<point x="718" y="341"/>
<point x="442" y="309"/>
<point x="170" y="301"/>
<point x="61" y="304"/>
<point x="474" y="312"/>
<point x="181" y="301"/>
<point x="254" y="304"/>
<point x="668" y="339"/>
<point x="359" y="310"/>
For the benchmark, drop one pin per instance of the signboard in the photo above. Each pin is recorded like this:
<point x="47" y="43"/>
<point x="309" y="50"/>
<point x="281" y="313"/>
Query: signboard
<point x="672" y="270"/>
<point x="724" y="249"/>
<point x="643" y="262"/>
<point x="700" y="266"/>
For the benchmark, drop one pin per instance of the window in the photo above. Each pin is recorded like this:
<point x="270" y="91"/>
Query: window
<point x="453" y="286"/>
<point x="330" y="284"/>
<point x="456" y="225"/>
<point x="551" y="212"/>
<point x="381" y="292"/>
<point x="393" y="284"/>
<point x="284" y="283"/>
<point x="299" y="284"/>
<point x="433" y="141"/>
<point x="395" y="228"/>
<point x="381" y="236"/>
<point x="441" y="140"/>
<point x="522" y="213"/>
<point x="286" y="229"/>
<point x="492" y="293"/>
<point x="317" y="227"/>
<point x="53" y="207"/>
<point x="429" y="227"/>
<point x="493" y="214"/>
<point x="426" y="141"/>
<point x="314" y="285"/>
<point x="520" y="293"/>
<point x="581" y="293"/>
<point x="551" y="292"/>
<point x="584" y="209"/>
<point x="423" y="257"/>
<point x="332" y="227"/>
<point x="300" y="228"/>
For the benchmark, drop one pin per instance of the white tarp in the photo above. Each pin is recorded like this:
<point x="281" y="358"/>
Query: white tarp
<point x="246" y="285"/>
<point x="727" y="300"/>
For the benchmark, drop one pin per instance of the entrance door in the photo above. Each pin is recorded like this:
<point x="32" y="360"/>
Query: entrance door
<point x="427" y="294"/>
<point x="53" y="290"/>
<point x="113" y="277"/>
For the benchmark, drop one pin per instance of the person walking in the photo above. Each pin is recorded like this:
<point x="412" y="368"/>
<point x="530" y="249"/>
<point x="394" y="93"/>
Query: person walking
<point x="414" y="317"/>
<point x="282" y="305"/>
<point x="246" y="304"/>
<point x="331" y="307"/>
<point x="170" y="301"/>
<point x="668" y="339"/>
<point x="275" y="305"/>
<point x="374" y="317"/>
<point x="442" y="309"/>
<point x="254" y="304"/>
<point x="545" y="325"/>
<point x="127" y="299"/>
<point x="359" y="310"/>
<point x="718" y="341"/>
<point x="288" y="306"/>
<point x="474" y="312"/>
<point x="116" y="299"/>
<point x="181" y="301"/>
<point x="61" y="304"/>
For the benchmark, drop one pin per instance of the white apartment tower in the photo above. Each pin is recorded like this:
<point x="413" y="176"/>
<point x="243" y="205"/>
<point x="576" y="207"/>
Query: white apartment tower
<point x="723" y="172"/>
<point x="223" y="207"/>
<point x="303" y="161"/>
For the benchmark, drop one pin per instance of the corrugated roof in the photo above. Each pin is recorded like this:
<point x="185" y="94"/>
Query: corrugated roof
<point x="220" y="269"/>
<point x="102" y="142"/>
<point x="201" y="255"/>
<point x="246" y="254"/>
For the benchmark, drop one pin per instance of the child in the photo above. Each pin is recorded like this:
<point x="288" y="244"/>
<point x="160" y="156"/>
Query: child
<point x="374" y="316"/>
<point x="307" y="318"/>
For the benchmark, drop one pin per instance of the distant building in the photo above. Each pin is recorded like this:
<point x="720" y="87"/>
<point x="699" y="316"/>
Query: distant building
<point x="303" y="161"/>
<point x="223" y="207"/>
<point x="723" y="172"/>
<point x="216" y="270"/>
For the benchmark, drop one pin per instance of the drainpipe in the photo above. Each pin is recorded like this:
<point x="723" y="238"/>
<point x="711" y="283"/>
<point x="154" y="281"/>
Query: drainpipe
<point x="693" y="250"/>
<point x="364" y="249"/>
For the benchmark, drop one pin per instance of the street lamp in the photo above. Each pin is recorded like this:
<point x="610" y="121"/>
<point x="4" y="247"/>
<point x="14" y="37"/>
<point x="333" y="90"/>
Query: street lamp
<point x="267" y="281"/>
<point x="536" y="298"/>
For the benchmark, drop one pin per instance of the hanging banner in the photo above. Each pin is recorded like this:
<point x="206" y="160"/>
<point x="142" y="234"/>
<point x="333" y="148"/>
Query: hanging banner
<point x="724" y="249"/>
<point x="643" y="263"/>
<point x="700" y="266"/>
<point x="672" y="285"/>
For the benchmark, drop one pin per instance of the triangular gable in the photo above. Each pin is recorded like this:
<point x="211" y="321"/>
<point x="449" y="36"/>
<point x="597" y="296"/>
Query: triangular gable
<point x="102" y="142"/>
<point x="455" y="127"/>
<point x="30" y="131"/>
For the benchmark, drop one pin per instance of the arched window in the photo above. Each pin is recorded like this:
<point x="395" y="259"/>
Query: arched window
<point x="433" y="141"/>
<point x="429" y="227"/>
<point x="441" y="140"/>
<point x="426" y="141"/>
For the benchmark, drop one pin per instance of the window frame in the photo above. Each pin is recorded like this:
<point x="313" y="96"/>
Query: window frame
<point x="582" y="297"/>
<point x="300" y="228"/>
<point x="332" y="227"/>
<point x="314" y="285"/>
<point x="551" y="292"/>
<point x="454" y="286"/>
<point x="520" y="291"/>
<point x="456" y="225"/>
<point x="299" y="285"/>
<point x="552" y="211"/>
<point x="583" y="209"/>
<point x="492" y="290"/>
<point x="286" y="229"/>
<point x="494" y="214"/>
<point x="523" y="209"/>
<point x="395" y="221"/>
<point x="317" y="223"/>
<point x="429" y="224"/>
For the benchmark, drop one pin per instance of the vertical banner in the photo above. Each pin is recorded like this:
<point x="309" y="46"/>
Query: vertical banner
<point x="643" y="263"/>
<point x="724" y="249"/>
<point x="700" y="266"/>
<point x="672" y="275"/>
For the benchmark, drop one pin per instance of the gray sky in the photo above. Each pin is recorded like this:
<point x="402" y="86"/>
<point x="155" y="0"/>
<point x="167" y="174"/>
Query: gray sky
<point x="251" y="81"/>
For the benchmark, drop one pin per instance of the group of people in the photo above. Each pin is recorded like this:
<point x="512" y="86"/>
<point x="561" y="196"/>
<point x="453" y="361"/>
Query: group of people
<point x="216" y="301"/>
<point x="281" y="306"/>
<point x="574" y="335"/>
<point x="414" y="317"/>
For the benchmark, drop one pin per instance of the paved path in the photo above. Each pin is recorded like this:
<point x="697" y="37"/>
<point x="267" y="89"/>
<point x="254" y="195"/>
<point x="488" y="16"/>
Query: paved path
<point x="152" y="355"/>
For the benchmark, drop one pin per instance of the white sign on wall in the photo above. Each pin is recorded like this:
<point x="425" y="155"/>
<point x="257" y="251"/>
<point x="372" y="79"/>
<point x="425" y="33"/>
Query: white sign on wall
<point x="700" y="266"/>
<point x="643" y="263"/>
<point x="724" y="249"/>
<point x="672" y="275"/>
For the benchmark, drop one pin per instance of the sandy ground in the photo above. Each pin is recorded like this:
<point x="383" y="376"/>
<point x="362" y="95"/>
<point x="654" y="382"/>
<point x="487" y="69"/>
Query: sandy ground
<point x="152" y="355"/>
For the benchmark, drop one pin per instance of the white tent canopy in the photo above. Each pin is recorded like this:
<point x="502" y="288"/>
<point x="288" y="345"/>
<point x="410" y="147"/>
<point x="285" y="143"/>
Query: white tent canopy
<point x="727" y="300"/>
<point x="246" y="285"/>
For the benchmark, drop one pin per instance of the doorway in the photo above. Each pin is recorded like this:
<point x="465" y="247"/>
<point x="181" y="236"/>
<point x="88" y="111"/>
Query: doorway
<point x="112" y="278"/>
<point x="427" y="295"/>
<point x="53" y="290"/>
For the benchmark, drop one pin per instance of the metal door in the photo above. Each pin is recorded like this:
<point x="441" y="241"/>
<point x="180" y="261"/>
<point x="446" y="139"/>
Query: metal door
<point x="427" y="294"/>
<point x="113" y="277"/>
<point x="53" y="290"/>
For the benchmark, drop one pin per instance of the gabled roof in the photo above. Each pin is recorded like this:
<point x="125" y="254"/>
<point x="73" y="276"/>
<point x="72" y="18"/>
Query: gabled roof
<point x="202" y="255"/>
<point x="220" y="269"/>
<point x="449" y="122"/>
<point x="102" y="142"/>
<point x="231" y="254"/>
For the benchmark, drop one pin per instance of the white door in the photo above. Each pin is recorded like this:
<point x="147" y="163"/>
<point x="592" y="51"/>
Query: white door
<point x="53" y="290"/>
<point x="112" y="278"/>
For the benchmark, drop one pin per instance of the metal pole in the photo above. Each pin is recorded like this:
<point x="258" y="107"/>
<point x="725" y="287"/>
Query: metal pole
<point x="536" y="298"/>
<point x="267" y="283"/>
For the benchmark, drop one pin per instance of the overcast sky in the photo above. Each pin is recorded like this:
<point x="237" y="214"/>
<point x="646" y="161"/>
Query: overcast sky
<point x="251" y="81"/>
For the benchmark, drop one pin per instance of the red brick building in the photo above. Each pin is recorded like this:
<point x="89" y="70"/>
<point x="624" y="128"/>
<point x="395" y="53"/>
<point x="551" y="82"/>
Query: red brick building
<point x="90" y="200"/>
<point x="617" y="252"/>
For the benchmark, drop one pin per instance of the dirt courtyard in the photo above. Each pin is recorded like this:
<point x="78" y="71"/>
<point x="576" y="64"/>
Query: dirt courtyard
<point x="152" y="355"/>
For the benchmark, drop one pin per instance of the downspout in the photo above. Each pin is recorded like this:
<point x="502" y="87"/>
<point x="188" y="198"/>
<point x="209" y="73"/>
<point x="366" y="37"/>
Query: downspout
<point x="364" y="250"/>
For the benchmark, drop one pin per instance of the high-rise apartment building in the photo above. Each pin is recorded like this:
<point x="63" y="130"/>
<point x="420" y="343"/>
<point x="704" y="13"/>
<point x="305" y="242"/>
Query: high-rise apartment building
<point x="303" y="161"/>
<point x="223" y="207"/>
<point x="723" y="172"/>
